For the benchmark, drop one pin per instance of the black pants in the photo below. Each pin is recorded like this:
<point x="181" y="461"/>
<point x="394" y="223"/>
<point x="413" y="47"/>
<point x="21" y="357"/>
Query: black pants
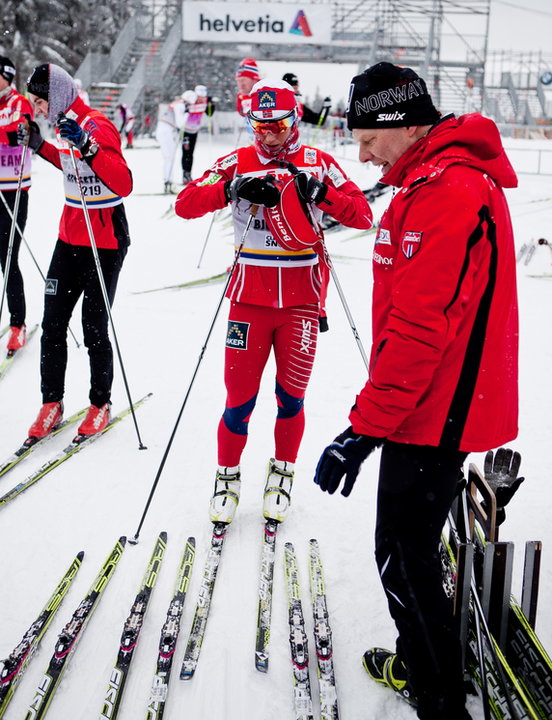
<point x="73" y="273"/>
<point x="188" y="146"/>
<point x="416" y="487"/>
<point x="15" y="291"/>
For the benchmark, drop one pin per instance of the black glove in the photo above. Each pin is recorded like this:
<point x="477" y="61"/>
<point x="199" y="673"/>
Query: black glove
<point x="327" y="102"/>
<point x="28" y="133"/>
<point x="310" y="188"/>
<point x="344" y="457"/>
<point x="501" y="473"/>
<point x="71" y="131"/>
<point x="258" y="191"/>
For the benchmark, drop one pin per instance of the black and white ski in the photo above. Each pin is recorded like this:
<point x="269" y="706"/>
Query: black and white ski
<point x="169" y="636"/>
<point x="131" y="632"/>
<point x="198" y="282"/>
<point x="302" y="698"/>
<point x="32" y="444"/>
<point x="266" y="580"/>
<point x="7" y="362"/>
<point x="199" y="623"/>
<point x="77" y="444"/>
<point x="71" y="634"/>
<point x="16" y="663"/>
<point x="322" y="636"/>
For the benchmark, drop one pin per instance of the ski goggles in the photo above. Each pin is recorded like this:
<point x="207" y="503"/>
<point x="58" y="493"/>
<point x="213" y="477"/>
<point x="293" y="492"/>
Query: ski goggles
<point x="275" y="127"/>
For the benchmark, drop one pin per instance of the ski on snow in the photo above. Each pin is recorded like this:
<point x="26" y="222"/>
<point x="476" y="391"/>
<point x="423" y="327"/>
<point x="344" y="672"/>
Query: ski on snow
<point x="199" y="623"/>
<point x="169" y="636"/>
<point x="32" y="444"/>
<point x="78" y="443"/>
<point x="266" y="581"/>
<point x="15" y="665"/>
<point x="210" y="280"/>
<point x="71" y="634"/>
<point x="302" y="697"/>
<point x="131" y="632"/>
<point x="6" y="363"/>
<point x="322" y="636"/>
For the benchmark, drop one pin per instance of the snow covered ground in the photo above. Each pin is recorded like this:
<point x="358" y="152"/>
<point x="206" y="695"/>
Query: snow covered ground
<point x="100" y="494"/>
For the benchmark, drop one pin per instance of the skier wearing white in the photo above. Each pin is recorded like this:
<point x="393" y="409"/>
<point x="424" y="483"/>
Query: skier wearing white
<point x="170" y="123"/>
<point x="196" y="105"/>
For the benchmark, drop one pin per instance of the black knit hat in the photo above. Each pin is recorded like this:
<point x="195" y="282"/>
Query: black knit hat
<point x="389" y="96"/>
<point x="7" y="68"/>
<point x="291" y="79"/>
<point x="39" y="81"/>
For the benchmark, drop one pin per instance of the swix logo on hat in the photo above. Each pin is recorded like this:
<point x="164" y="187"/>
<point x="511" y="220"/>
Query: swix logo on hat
<point x="411" y="243"/>
<point x="300" y="25"/>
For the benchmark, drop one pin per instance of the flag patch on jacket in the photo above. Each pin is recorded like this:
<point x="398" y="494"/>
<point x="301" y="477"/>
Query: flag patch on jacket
<point x="411" y="243"/>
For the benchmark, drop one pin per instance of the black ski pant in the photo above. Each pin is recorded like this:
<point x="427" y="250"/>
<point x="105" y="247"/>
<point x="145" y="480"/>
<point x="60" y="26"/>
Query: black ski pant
<point x="188" y="146"/>
<point x="417" y="485"/>
<point x="15" y="291"/>
<point x="73" y="273"/>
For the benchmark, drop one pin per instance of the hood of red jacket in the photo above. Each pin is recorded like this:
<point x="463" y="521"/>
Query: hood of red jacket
<point x="471" y="140"/>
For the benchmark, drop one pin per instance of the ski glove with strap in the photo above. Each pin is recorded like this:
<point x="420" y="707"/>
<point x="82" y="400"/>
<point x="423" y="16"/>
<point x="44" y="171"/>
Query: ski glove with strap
<point x="28" y="133"/>
<point x="310" y="188"/>
<point x="257" y="191"/>
<point x="344" y="456"/>
<point x="501" y="473"/>
<point x="71" y="131"/>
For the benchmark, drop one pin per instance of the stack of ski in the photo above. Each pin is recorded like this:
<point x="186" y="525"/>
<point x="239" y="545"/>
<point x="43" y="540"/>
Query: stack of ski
<point x="15" y="665"/>
<point x="8" y="360"/>
<point x="131" y="632"/>
<point x="264" y="611"/>
<point x="169" y="636"/>
<point x="199" y="623"/>
<point x="322" y="636"/>
<point x="302" y="698"/>
<point x="78" y="443"/>
<point x="71" y="634"/>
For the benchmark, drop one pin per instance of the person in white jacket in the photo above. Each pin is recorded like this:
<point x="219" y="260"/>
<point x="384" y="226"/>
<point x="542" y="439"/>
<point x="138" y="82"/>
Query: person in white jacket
<point x="169" y="126"/>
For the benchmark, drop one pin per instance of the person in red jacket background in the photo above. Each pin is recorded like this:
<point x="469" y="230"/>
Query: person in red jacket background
<point x="106" y="179"/>
<point x="275" y="292"/>
<point x="13" y="106"/>
<point x="443" y="368"/>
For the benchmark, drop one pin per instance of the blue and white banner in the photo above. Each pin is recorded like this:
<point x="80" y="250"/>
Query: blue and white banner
<point x="300" y="23"/>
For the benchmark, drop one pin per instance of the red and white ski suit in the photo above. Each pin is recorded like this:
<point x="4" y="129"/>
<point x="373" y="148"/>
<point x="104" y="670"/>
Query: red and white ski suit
<point x="444" y="359"/>
<point x="274" y="293"/>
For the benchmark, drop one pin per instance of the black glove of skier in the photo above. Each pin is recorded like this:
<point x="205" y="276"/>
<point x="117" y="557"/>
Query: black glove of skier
<point x="344" y="456"/>
<point x="258" y="191"/>
<point x="71" y="131"/>
<point x="310" y="188"/>
<point x="28" y="133"/>
<point x="501" y="473"/>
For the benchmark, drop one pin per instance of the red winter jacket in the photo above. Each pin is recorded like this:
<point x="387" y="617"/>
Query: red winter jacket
<point x="109" y="165"/>
<point x="444" y="359"/>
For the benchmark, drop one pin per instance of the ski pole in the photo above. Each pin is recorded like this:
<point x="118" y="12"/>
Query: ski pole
<point x="12" y="226"/>
<point x="253" y="212"/>
<point x="141" y="445"/>
<point x="213" y="216"/>
<point x="294" y="171"/>
<point x="8" y="210"/>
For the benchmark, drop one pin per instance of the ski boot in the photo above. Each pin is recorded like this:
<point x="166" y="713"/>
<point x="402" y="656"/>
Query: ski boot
<point x="226" y="496"/>
<point x="48" y="418"/>
<point x="17" y="339"/>
<point x="387" y="669"/>
<point x="96" y="420"/>
<point x="277" y="492"/>
<point x="186" y="177"/>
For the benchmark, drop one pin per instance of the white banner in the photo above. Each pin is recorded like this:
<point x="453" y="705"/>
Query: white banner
<point x="279" y="23"/>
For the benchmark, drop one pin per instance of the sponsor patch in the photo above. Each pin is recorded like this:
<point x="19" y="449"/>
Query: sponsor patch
<point x="211" y="179"/>
<point x="236" y="336"/>
<point x="310" y="156"/>
<point x="411" y="243"/>
<point x="50" y="288"/>
<point x="230" y="160"/>
<point x="267" y="100"/>
<point x="383" y="237"/>
<point x="336" y="176"/>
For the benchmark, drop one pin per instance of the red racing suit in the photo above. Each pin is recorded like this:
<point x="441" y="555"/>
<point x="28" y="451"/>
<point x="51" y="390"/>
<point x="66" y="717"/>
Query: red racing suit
<point x="13" y="107"/>
<point x="275" y="295"/>
<point x="444" y="359"/>
<point x="106" y="179"/>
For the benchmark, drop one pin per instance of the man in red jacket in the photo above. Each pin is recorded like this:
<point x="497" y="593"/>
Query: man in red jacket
<point x="13" y="106"/>
<point x="275" y="291"/>
<point x="105" y="179"/>
<point x="443" y="366"/>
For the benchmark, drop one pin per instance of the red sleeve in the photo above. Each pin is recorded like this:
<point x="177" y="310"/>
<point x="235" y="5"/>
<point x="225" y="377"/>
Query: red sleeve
<point x="20" y="108"/>
<point x="344" y="200"/>
<point x="50" y="153"/>
<point x="206" y="194"/>
<point x="108" y="163"/>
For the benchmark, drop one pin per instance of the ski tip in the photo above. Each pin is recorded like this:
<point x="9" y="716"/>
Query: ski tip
<point x="123" y="540"/>
<point x="191" y="541"/>
<point x="163" y="535"/>
<point x="80" y="555"/>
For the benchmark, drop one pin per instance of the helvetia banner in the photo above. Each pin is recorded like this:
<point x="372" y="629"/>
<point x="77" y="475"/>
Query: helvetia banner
<point x="301" y="23"/>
